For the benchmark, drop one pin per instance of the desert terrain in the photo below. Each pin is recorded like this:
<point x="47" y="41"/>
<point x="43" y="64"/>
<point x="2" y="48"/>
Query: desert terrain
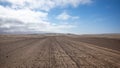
<point x="59" y="51"/>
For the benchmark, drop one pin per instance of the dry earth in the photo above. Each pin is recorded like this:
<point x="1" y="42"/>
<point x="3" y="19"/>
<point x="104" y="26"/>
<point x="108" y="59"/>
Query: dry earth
<point x="58" y="52"/>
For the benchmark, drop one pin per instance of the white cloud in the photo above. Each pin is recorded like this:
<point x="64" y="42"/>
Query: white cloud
<point x="66" y="16"/>
<point x="25" y="15"/>
<point x="45" y="4"/>
<point x="12" y="20"/>
<point x="73" y="3"/>
<point x="53" y="28"/>
<point x="20" y="15"/>
<point x="63" y="16"/>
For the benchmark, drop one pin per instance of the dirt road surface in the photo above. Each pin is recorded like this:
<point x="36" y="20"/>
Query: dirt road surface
<point x="58" y="52"/>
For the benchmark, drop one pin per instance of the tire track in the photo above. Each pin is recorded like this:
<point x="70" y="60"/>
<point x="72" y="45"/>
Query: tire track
<point x="104" y="55"/>
<point x="16" y="45"/>
<point x="32" y="61"/>
<point x="61" y="58"/>
<point x="57" y="52"/>
<point x="42" y="59"/>
<point x="16" y="57"/>
<point x="79" y="62"/>
<point x="93" y="52"/>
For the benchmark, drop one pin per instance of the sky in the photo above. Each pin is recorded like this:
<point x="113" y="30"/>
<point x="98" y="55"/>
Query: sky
<point x="60" y="16"/>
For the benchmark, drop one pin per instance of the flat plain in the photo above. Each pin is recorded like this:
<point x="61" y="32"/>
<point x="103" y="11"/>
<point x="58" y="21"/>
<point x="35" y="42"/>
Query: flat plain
<point x="59" y="51"/>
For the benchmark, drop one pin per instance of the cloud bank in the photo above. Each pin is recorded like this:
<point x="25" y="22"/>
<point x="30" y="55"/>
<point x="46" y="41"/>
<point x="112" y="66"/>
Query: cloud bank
<point x="21" y="15"/>
<point x="45" y="4"/>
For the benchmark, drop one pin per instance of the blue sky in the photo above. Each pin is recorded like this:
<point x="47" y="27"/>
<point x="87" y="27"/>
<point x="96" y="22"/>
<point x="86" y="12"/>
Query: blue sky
<point x="73" y="16"/>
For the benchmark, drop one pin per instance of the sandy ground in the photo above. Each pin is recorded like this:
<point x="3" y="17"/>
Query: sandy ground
<point x="59" y="52"/>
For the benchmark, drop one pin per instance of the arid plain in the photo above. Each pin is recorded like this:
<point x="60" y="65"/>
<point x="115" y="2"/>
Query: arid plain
<point x="59" y="51"/>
